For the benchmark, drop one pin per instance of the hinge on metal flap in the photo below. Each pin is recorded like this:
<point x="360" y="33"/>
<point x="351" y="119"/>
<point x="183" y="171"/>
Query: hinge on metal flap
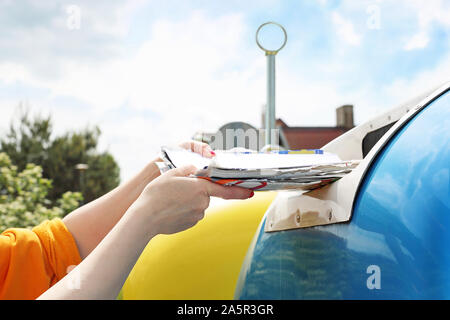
<point x="297" y="210"/>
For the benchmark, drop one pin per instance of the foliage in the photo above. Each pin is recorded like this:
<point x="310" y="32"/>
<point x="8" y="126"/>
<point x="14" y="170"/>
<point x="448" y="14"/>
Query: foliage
<point x="32" y="141"/>
<point x="23" y="196"/>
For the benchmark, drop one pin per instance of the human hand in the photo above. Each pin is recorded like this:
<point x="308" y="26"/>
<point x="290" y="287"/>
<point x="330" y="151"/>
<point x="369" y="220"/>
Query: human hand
<point x="152" y="170"/>
<point x="174" y="202"/>
<point x="198" y="147"/>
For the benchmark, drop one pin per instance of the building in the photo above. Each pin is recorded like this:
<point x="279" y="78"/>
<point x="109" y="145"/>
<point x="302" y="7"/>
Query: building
<point x="317" y="137"/>
<point x="241" y="134"/>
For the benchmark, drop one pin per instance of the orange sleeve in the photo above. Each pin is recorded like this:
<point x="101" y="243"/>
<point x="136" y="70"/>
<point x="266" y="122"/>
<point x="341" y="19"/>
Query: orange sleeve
<point x="31" y="261"/>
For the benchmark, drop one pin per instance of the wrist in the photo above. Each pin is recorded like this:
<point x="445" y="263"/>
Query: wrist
<point x="151" y="171"/>
<point x="142" y="221"/>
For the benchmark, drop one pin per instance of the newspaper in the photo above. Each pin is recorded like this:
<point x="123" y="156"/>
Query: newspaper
<point x="263" y="171"/>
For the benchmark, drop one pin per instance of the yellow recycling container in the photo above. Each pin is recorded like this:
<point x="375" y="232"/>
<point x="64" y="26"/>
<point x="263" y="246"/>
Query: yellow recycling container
<point x="203" y="262"/>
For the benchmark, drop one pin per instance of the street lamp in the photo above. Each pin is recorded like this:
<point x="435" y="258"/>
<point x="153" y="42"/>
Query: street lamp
<point x="270" y="105"/>
<point x="81" y="167"/>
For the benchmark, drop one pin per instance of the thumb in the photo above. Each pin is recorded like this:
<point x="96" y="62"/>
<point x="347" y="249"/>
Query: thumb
<point x="183" y="171"/>
<point x="232" y="192"/>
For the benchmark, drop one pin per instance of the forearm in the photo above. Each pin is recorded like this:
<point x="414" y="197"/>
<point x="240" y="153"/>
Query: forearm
<point x="171" y="203"/>
<point x="102" y="274"/>
<point x="90" y="223"/>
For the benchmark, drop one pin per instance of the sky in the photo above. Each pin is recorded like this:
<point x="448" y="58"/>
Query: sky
<point x="152" y="73"/>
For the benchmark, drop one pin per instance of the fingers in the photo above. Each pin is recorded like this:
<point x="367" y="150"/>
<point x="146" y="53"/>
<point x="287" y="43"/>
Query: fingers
<point x="183" y="171"/>
<point x="198" y="147"/>
<point x="211" y="188"/>
<point x="216" y="190"/>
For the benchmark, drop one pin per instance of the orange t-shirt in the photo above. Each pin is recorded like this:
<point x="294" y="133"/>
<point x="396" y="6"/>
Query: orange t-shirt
<point x="31" y="261"/>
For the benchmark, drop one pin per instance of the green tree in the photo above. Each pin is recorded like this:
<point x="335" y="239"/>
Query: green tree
<point x="32" y="141"/>
<point x="23" y="196"/>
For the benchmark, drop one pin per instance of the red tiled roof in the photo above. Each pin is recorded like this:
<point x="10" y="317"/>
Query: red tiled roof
<point x="310" y="137"/>
<point x="281" y="123"/>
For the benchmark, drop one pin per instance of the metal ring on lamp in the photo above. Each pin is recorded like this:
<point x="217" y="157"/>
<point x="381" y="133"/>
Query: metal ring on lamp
<point x="264" y="49"/>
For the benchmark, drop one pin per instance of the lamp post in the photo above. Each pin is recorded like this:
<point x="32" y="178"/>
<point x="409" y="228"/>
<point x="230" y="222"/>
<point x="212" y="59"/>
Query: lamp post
<point x="81" y="167"/>
<point x="270" y="104"/>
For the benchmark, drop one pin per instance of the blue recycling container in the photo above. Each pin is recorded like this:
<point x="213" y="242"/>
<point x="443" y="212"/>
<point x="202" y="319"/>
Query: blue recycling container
<point x="397" y="243"/>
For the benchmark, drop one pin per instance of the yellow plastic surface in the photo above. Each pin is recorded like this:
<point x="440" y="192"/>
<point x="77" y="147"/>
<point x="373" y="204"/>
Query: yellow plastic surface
<point x="203" y="262"/>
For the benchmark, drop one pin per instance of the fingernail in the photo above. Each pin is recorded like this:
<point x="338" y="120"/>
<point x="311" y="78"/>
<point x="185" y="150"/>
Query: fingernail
<point x="213" y="153"/>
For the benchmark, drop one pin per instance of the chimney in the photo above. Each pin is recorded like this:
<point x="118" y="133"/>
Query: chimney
<point x="344" y="116"/>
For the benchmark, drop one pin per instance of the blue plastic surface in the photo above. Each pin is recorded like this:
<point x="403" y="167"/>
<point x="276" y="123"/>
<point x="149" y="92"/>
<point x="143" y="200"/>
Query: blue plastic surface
<point x="400" y="225"/>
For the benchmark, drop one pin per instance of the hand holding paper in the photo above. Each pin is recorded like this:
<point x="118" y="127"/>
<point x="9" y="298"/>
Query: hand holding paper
<point x="285" y="170"/>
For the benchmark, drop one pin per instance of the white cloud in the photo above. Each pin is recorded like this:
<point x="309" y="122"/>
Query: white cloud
<point x="428" y="13"/>
<point x="418" y="41"/>
<point x="432" y="11"/>
<point x="403" y="89"/>
<point x="13" y="72"/>
<point x="322" y="3"/>
<point x="346" y="30"/>
<point x="8" y="108"/>
<point x="181" y="75"/>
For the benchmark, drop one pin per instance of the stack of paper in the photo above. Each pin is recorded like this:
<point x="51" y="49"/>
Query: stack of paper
<point x="282" y="170"/>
